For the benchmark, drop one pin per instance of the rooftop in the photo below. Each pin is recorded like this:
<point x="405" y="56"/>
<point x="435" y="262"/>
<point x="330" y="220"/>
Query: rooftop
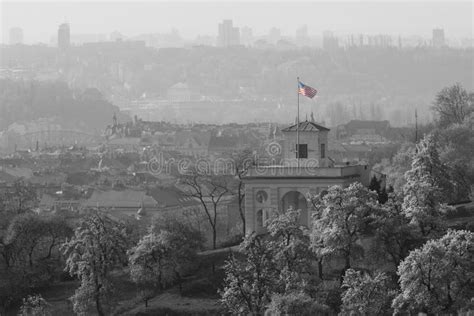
<point x="305" y="126"/>
<point x="309" y="172"/>
<point x="120" y="199"/>
<point x="171" y="197"/>
<point x="179" y="86"/>
<point x="357" y="124"/>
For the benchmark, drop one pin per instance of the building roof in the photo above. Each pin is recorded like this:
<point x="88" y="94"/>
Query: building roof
<point x="171" y="197"/>
<point x="362" y="124"/>
<point x="179" y="86"/>
<point x="47" y="201"/>
<point x="200" y="138"/>
<point x="125" y="141"/>
<point x="224" y="141"/>
<point x="357" y="148"/>
<point x="306" y="126"/>
<point x="120" y="199"/>
<point x="6" y="177"/>
<point x="299" y="173"/>
<point x="18" y="172"/>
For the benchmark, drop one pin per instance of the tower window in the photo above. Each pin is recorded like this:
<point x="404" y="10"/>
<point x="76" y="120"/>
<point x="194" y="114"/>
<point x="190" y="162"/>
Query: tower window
<point x="260" y="218"/>
<point x="302" y="151"/>
<point x="323" y="150"/>
<point x="261" y="196"/>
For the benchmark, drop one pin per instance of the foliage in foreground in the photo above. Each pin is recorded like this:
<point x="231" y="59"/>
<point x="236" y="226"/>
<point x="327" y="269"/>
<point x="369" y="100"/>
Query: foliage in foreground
<point x="163" y="256"/>
<point x="275" y="267"/>
<point x="29" y="254"/>
<point x="425" y="199"/>
<point x="365" y="294"/>
<point x="340" y="219"/>
<point x="98" y="246"/>
<point x="438" y="277"/>
<point x="35" y="305"/>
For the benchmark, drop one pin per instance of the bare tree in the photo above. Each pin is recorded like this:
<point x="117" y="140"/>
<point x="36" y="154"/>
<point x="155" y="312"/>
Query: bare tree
<point x="242" y="161"/>
<point x="18" y="198"/>
<point x="209" y="190"/>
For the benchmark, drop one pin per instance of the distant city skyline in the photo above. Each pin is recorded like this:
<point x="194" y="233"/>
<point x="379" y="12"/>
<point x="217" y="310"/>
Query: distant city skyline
<point x="40" y="20"/>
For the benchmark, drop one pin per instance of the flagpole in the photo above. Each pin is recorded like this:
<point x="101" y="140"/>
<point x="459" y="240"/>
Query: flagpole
<point x="416" y="126"/>
<point x="298" y="125"/>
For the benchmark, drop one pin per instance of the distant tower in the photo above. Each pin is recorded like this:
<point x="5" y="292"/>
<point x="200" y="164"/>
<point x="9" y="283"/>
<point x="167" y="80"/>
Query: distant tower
<point x="302" y="38"/>
<point x="228" y="35"/>
<point x="330" y="42"/>
<point x="16" y="36"/>
<point x="116" y="36"/>
<point x="274" y="35"/>
<point x="438" y="38"/>
<point x="64" y="36"/>
<point x="246" y="36"/>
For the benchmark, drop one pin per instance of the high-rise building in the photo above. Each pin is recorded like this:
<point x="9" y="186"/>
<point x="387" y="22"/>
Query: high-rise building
<point x="246" y="36"/>
<point x="438" y="38"/>
<point x="274" y="35"/>
<point x="380" y="41"/>
<point x="64" y="36"/>
<point x="302" y="38"/>
<point x="228" y="35"/>
<point x="116" y="36"/>
<point x="330" y="42"/>
<point x="16" y="36"/>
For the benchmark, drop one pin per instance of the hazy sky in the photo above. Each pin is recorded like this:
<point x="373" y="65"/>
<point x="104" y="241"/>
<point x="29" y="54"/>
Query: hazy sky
<point x="40" y="19"/>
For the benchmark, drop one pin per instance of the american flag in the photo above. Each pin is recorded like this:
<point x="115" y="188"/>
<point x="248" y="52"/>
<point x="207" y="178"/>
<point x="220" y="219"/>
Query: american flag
<point x="307" y="91"/>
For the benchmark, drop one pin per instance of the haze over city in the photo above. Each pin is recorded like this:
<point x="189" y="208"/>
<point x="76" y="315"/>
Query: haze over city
<point x="39" y="19"/>
<point x="236" y="158"/>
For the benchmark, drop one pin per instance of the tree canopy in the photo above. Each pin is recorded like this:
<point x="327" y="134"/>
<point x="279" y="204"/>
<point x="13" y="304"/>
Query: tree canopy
<point x="427" y="189"/>
<point x="277" y="267"/>
<point x="164" y="254"/>
<point x="365" y="294"/>
<point x="98" y="246"/>
<point x="340" y="219"/>
<point x="438" y="277"/>
<point x="453" y="104"/>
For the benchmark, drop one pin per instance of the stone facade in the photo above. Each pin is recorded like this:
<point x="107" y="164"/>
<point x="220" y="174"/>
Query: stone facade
<point x="313" y="139"/>
<point x="270" y="189"/>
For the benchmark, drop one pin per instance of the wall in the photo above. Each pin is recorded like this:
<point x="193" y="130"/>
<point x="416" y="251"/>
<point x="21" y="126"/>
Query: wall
<point x="276" y="189"/>
<point x="312" y="139"/>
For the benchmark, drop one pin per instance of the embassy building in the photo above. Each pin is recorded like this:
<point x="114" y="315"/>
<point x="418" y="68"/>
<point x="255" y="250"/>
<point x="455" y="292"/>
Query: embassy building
<point x="303" y="171"/>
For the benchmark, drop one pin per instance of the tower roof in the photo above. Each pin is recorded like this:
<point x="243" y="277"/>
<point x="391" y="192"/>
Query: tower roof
<point x="180" y="85"/>
<point x="305" y="126"/>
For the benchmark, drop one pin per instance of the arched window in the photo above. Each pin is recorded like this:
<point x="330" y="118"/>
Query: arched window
<point x="260" y="218"/>
<point x="267" y="215"/>
<point x="297" y="201"/>
<point x="261" y="196"/>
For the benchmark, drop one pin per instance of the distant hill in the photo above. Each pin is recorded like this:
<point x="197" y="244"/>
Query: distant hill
<point x="26" y="101"/>
<point x="365" y="82"/>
